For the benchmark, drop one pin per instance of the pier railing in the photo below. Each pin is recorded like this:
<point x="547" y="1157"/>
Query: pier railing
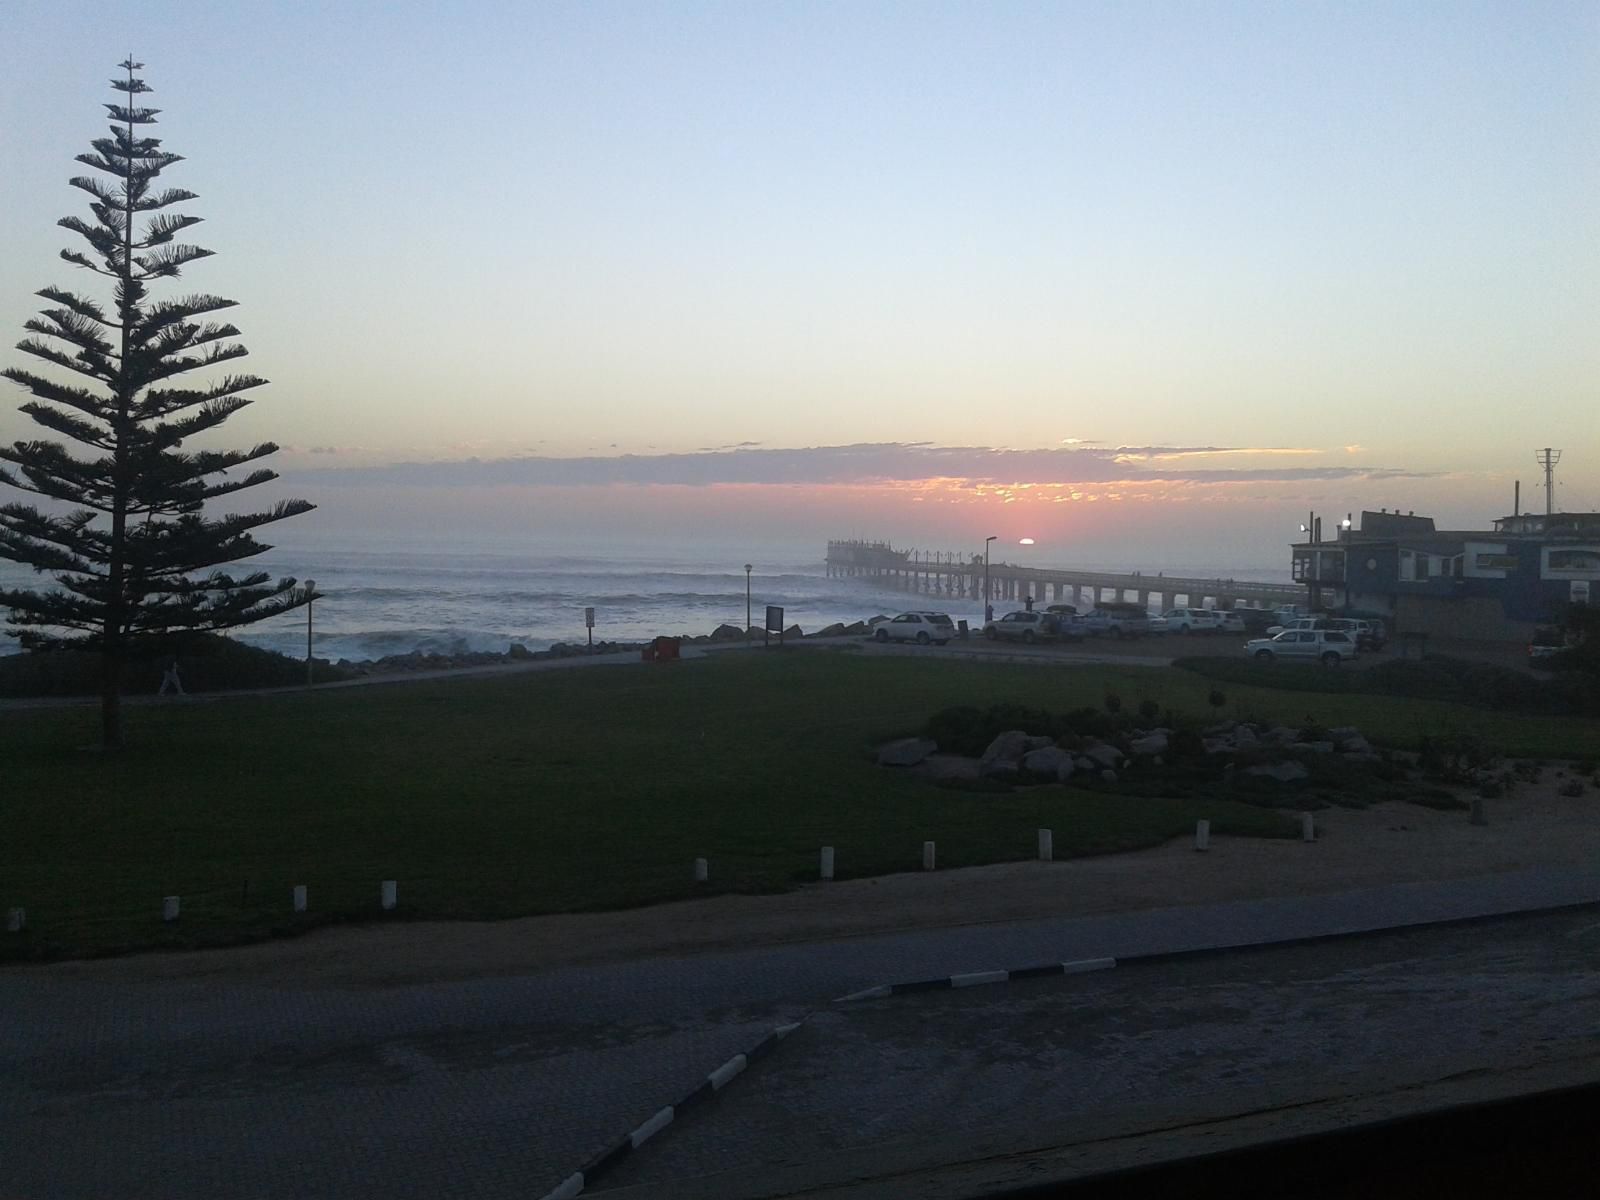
<point x="957" y="574"/>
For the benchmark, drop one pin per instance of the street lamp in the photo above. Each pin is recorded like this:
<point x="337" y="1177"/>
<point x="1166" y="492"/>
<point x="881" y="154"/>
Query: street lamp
<point x="310" y="595"/>
<point x="988" y="612"/>
<point x="747" y="569"/>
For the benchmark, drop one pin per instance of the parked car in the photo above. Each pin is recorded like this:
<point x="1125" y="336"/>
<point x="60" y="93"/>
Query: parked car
<point x="1372" y="635"/>
<point x="1118" y="619"/>
<point x="1062" y="610"/>
<point x="1158" y="625"/>
<point x="1022" y="626"/>
<point x="1300" y="623"/>
<point x="1547" y="641"/>
<point x="920" y="627"/>
<point x="1231" y="622"/>
<point x="1193" y="620"/>
<point x="1256" y="620"/>
<point x="1327" y="646"/>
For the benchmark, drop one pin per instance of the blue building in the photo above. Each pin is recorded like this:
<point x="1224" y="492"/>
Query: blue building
<point x="1491" y="585"/>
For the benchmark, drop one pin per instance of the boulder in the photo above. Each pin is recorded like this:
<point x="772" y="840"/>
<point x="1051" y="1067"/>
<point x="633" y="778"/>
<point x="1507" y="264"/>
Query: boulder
<point x="837" y="629"/>
<point x="1152" y="743"/>
<point x="855" y="629"/>
<point x="727" y="633"/>
<point x="794" y="631"/>
<point x="1000" y="769"/>
<point x="1009" y="746"/>
<point x="1281" y="735"/>
<point x="906" y="752"/>
<point x="1103" y="755"/>
<point x="1283" y="772"/>
<point x="1048" y="762"/>
<point x="946" y="766"/>
<point x="1108" y="775"/>
<point x="1355" y="745"/>
<point x="1039" y="741"/>
<point x="1085" y="764"/>
<point x="1244" y="736"/>
<point x="1316" y="747"/>
<point x="518" y="652"/>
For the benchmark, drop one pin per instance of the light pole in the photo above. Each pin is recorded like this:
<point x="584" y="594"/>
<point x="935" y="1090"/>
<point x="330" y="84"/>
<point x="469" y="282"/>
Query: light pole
<point x="311" y="594"/>
<point x="988" y="612"/>
<point x="747" y="569"/>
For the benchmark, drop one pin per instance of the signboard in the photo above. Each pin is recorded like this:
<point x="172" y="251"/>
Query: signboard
<point x="588" y="618"/>
<point x="1572" y="562"/>
<point x="774" y="619"/>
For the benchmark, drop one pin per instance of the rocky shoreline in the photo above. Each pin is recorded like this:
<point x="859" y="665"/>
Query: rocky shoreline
<point x="417" y="661"/>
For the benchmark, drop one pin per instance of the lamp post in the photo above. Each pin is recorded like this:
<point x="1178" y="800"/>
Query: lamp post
<point x="988" y="612"/>
<point x="311" y="594"/>
<point x="747" y="569"/>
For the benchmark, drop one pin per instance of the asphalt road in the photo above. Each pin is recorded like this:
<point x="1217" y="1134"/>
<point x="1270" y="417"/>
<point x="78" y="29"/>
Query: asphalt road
<point x="503" y="1086"/>
<point x="988" y="1071"/>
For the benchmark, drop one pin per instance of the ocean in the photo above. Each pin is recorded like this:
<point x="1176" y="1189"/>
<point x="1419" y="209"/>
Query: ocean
<point x="380" y="597"/>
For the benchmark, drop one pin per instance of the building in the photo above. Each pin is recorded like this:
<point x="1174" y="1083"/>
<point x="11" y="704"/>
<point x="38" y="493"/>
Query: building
<point x="1493" y="585"/>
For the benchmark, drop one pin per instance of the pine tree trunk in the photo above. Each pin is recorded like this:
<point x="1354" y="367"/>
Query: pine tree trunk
<point x="110" y="700"/>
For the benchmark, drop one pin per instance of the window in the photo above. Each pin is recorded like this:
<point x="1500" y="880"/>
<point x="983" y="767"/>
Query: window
<point x="1408" y="566"/>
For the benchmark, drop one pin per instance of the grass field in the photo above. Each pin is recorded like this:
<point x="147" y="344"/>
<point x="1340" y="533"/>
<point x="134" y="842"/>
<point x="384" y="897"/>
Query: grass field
<point x="566" y="790"/>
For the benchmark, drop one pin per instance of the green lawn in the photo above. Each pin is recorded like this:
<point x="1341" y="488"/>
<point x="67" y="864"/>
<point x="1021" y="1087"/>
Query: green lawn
<point x="560" y="790"/>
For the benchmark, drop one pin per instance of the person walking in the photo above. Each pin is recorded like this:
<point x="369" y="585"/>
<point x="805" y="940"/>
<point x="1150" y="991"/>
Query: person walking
<point x="170" y="678"/>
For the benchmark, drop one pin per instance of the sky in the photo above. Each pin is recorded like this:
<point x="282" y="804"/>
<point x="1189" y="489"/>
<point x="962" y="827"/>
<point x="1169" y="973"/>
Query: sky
<point x="1139" y="280"/>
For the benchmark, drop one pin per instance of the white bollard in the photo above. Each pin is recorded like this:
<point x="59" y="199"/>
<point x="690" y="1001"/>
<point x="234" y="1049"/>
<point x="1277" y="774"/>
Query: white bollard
<point x="1046" y="845"/>
<point x="388" y="894"/>
<point x="1202" y="835"/>
<point x="16" y="920"/>
<point x="827" y="862"/>
<point x="1308" y="828"/>
<point x="299" y="897"/>
<point x="702" y="870"/>
<point x="169" y="908"/>
<point x="927" y="856"/>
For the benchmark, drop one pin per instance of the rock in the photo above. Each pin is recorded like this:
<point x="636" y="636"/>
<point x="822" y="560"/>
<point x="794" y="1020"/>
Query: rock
<point x="877" y="620"/>
<point x="518" y="652"/>
<point x="946" y="766"/>
<point x="1048" y="762"/>
<point x="1282" y="735"/>
<point x="1151" y="743"/>
<point x="727" y="633"/>
<point x="1344" y="733"/>
<point x="906" y="752"/>
<point x="855" y="629"/>
<point x="1358" y="756"/>
<point x="1219" y="730"/>
<point x="1244" y="736"/>
<point x="1009" y="746"/>
<point x="1283" y="772"/>
<point x="999" y="769"/>
<point x="837" y="629"/>
<point x="1039" y="742"/>
<point x="1217" y="745"/>
<point x="1355" y="745"/>
<point x="1108" y="775"/>
<point x="794" y="631"/>
<point x="1103" y="755"/>
<point x="1085" y="764"/>
<point x="1316" y="747"/>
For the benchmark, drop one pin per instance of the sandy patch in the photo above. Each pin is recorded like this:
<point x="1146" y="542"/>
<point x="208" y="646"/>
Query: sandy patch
<point x="1390" y="843"/>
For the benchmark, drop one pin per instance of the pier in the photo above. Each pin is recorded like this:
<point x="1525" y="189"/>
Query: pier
<point x="957" y="575"/>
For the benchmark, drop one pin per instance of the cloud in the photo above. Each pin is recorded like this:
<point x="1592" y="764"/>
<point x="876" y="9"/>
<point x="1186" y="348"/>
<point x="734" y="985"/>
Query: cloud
<point x="866" y="463"/>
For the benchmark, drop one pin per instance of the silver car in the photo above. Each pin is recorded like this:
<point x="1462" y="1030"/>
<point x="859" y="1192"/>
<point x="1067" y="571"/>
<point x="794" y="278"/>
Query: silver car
<point x="1330" y="647"/>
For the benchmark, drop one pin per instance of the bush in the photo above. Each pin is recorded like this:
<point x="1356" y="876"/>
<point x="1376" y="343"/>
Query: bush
<point x="206" y="663"/>
<point x="1149" y="710"/>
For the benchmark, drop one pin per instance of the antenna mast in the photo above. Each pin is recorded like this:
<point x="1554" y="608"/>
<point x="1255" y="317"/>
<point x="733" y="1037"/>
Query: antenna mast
<point x="1548" y="458"/>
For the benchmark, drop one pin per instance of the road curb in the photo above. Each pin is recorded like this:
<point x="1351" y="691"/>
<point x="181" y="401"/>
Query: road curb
<point x="1080" y="966"/>
<point x="614" y="1154"/>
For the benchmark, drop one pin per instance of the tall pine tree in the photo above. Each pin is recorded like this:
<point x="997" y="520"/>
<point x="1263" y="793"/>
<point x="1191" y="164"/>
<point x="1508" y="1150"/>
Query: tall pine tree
<point x="128" y="537"/>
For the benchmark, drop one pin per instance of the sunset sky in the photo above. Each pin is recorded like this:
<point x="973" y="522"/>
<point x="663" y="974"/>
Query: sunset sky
<point x="1110" y="275"/>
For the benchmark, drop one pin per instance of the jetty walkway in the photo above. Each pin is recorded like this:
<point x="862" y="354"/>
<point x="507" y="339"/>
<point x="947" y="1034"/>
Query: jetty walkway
<point x="953" y="574"/>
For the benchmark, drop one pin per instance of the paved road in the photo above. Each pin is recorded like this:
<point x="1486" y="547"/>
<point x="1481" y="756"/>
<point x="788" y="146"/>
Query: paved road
<point x="907" y="1082"/>
<point x="500" y="1086"/>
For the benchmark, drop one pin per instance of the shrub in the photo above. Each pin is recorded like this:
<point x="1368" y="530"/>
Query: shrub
<point x="1113" y="702"/>
<point x="1149" y="710"/>
<point x="206" y="663"/>
<point x="1573" y="787"/>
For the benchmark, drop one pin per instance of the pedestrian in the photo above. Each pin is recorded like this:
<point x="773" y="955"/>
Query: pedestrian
<point x="170" y="678"/>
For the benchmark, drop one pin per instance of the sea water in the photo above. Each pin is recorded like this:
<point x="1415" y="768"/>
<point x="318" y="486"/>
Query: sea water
<point x="380" y="597"/>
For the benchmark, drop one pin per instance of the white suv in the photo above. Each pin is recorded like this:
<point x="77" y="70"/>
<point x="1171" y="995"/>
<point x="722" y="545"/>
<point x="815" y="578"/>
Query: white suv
<point x="919" y="627"/>
<point x="1193" y="620"/>
<point x="1327" y="646"/>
